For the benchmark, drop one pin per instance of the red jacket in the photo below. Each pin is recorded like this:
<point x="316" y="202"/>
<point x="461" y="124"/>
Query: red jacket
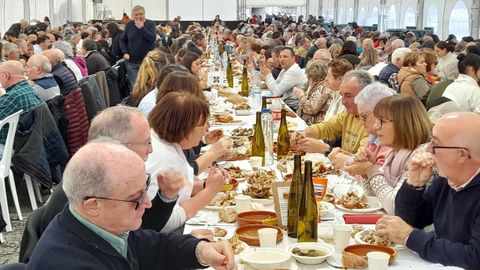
<point x="77" y="131"/>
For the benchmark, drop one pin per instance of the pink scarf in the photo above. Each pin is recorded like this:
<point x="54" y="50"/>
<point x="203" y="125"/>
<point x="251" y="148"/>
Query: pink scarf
<point x="394" y="165"/>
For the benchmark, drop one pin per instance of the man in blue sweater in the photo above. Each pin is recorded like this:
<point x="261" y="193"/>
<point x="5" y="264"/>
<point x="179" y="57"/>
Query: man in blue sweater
<point x="451" y="203"/>
<point x="137" y="40"/>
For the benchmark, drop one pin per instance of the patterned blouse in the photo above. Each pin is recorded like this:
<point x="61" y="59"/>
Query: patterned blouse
<point x="314" y="104"/>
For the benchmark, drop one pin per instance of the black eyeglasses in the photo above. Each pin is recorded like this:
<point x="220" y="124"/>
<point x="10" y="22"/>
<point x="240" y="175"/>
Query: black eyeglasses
<point x="379" y="122"/>
<point x="138" y="201"/>
<point x="450" y="147"/>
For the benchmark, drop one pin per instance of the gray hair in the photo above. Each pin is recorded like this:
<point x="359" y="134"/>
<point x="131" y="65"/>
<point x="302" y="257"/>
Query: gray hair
<point x="65" y="47"/>
<point x="87" y="173"/>
<point x="137" y="8"/>
<point x="362" y="76"/>
<point x="400" y="53"/>
<point x="41" y="62"/>
<point x="8" y="48"/>
<point x="398" y="43"/>
<point x="114" y="122"/>
<point x="372" y="93"/>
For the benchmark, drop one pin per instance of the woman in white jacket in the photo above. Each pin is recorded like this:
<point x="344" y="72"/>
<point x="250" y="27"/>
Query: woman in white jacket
<point x="464" y="90"/>
<point x="447" y="61"/>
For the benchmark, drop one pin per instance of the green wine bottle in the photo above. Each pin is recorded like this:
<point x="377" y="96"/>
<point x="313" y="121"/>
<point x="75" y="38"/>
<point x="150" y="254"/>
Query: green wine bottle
<point x="229" y="73"/>
<point x="264" y="103"/>
<point x="258" y="142"/>
<point x="294" y="196"/>
<point x="283" y="139"/>
<point x="245" y="89"/>
<point x="307" y="211"/>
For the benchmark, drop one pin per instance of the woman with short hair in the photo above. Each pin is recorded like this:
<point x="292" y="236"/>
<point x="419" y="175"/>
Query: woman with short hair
<point x="314" y="103"/>
<point x="411" y="77"/>
<point x="403" y="125"/>
<point x="178" y="122"/>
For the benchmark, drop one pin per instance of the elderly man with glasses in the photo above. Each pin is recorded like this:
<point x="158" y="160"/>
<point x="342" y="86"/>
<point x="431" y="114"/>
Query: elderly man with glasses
<point x="106" y="186"/>
<point x="128" y="126"/>
<point x="451" y="203"/>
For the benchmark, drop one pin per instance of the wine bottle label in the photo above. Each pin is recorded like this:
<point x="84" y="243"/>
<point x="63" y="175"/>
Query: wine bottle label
<point x="320" y="187"/>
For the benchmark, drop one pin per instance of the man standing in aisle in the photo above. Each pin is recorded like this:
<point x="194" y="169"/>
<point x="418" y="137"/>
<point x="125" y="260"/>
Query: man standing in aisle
<point x="137" y="40"/>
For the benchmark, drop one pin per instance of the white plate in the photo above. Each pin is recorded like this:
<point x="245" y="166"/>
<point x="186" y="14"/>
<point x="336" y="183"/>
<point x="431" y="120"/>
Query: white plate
<point x="235" y="122"/>
<point x="243" y="112"/>
<point x="290" y="264"/>
<point x="373" y="203"/>
<point x="358" y="239"/>
<point x="263" y="201"/>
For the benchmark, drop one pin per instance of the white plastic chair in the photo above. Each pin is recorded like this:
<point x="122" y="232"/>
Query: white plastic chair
<point x="5" y="171"/>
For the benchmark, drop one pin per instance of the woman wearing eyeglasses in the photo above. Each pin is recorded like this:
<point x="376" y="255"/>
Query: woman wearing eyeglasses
<point x="366" y="101"/>
<point x="403" y="125"/>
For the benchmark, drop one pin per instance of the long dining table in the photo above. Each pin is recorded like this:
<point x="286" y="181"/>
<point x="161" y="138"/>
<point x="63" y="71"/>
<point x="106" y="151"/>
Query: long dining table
<point x="208" y="217"/>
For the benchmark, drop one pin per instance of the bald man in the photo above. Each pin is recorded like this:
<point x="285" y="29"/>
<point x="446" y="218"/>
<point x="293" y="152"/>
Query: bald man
<point x="451" y="203"/>
<point x="19" y="94"/>
<point x="38" y="70"/>
<point x="63" y="76"/>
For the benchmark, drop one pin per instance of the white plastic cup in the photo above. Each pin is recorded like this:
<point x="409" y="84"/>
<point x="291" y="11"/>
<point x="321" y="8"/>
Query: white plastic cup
<point x="267" y="237"/>
<point x="341" y="236"/>
<point x="256" y="162"/>
<point x="378" y="260"/>
<point x="242" y="203"/>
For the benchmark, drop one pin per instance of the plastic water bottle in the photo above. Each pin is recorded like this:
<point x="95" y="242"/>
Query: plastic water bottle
<point x="257" y="97"/>
<point x="268" y="136"/>
<point x="276" y="110"/>
<point x="224" y="61"/>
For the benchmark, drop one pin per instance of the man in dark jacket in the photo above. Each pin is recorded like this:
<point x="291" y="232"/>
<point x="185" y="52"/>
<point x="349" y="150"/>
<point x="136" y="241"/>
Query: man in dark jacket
<point x="393" y="68"/>
<point x="450" y="203"/>
<point x="137" y="40"/>
<point x="19" y="28"/>
<point x="95" y="60"/>
<point x="64" y="76"/>
<point x="106" y="186"/>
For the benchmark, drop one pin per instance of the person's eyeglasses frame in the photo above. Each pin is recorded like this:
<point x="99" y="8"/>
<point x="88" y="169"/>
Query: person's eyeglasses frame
<point x="138" y="201"/>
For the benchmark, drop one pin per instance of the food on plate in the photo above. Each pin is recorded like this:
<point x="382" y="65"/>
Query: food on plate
<point x="369" y="237"/>
<point x="235" y="172"/>
<point x="352" y="201"/>
<point x="321" y="169"/>
<point x="240" y="132"/>
<point x="308" y="252"/>
<point x="226" y="199"/>
<point x="260" y="184"/>
<point x="236" y="244"/>
<point x="224" y="118"/>
<point x="241" y="148"/>
<point x="219" y="232"/>
<point x="329" y="198"/>
<point x="243" y="107"/>
<point x="356" y="228"/>
<point x="353" y="260"/>
<point x="228" y="215"/>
